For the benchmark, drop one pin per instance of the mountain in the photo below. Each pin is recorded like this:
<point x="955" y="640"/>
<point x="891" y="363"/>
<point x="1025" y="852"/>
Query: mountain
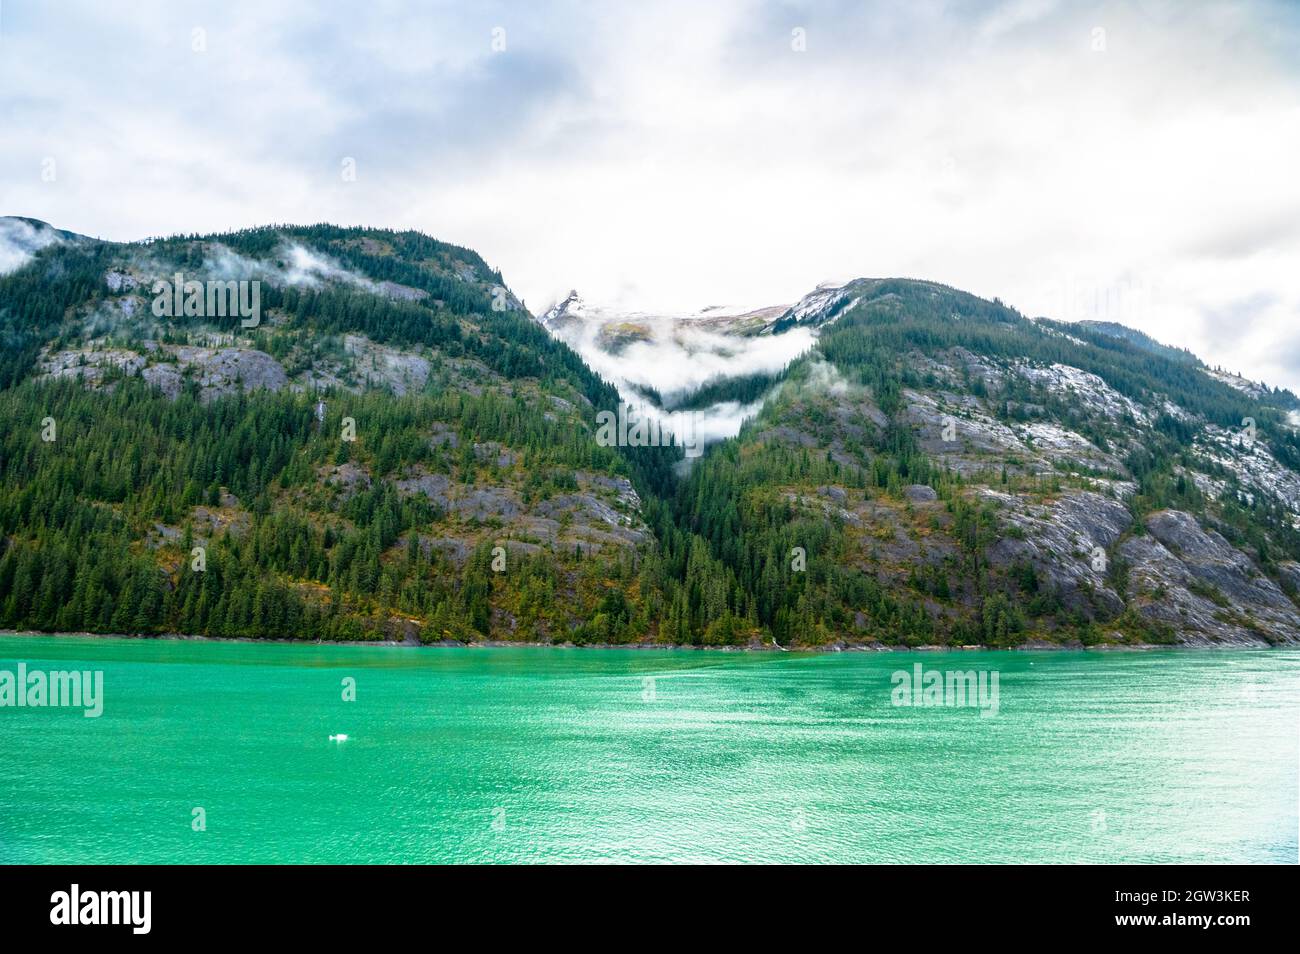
<point x="822" y="305"/>
<point x="1143" y="341"/>
<point x="21" y="238"/>
<point x="957" y="473"/>
<point x="617" y="326"/>
<point x="348" y="463"/>
<point x="392" y="447"/>
<point x="1256" y="389"/>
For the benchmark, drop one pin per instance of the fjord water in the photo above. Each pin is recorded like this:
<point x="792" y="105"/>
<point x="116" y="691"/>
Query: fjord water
<point x="555" y="755"/>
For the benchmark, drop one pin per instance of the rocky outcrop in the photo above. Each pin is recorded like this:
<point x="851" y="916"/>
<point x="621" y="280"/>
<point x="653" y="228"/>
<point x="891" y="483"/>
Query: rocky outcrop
<point x="1067" y="540"/>
<point x="226" y="370"/>
<point x="1208" y="591"/>
<point x="381" y="366"/>
<point x="604" y="511"/>
<point x="350" y="479"/>
<point x="217" y="371"/>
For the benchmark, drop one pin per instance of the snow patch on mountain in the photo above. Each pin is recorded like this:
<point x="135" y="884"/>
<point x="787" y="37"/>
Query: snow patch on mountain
<point x="1253" y="465"/>
<point x="1255" y="389"/>
<point x="820" y="307"/>
<point x="1086" y="388"/>
<point x="816" y="306"/>
<point x="573" y="308"/>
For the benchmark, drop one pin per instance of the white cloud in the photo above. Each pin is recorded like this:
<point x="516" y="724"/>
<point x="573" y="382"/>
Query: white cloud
<point x="291" y="264"/>
<point x="678" y="359"/>
<point x="674" y="357"/>
<point x="677" y="153"/>
<point x="19" y="241"/>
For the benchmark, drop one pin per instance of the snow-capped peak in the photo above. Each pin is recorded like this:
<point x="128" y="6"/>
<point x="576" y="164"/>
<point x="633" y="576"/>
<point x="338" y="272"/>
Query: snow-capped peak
<point x="821" y="306"/>
<point x="571" y="309"/>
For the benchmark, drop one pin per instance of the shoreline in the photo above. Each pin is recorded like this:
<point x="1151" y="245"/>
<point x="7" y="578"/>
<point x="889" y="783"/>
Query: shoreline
<point x="1030" y="647"/>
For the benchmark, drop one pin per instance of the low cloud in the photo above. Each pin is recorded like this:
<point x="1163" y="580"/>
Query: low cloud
<point x="825" y="377"/>
<point x="19" y="241"/>
<point x="676" y="358"/>
<point x="1011" y="149"/>
<point x="291" y="264"/>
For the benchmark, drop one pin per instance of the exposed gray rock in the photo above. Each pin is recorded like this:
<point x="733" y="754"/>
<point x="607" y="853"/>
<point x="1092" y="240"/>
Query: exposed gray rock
<point x="1194" y="580"/>
<point x="586" y="507"/>
<point x="604" y="512"/>
<point x="226" y="370"/>
<point x="537" y="528"/>
<point x="1289" y="574"/>
<point x="493" y="453"/>
<point x="1085" y="388"/>
<point x="971" y="430"/>
<point x="823" y="507"/>
<point x="454" y="549"/>
<point x="486" y="502"/>
<point x="401" y="292"/>
<point x="164" y="535"/>
<point x="165" y="377"/>
<point x="520" y="547"/>
<point x="1254" y="466"/>
<point x="443" y="435"/>
<point x="219" y="371"/>
<point x="119" y="281"/>
<point x="625" y="495"/>
<point x="349" y="477"/>
<point x="436" y="487"/>
<point x="89" y="364"/>
<point x="1067" y="540"/>
<point x="401" y="371"/>
<point x="789" y="435"/>
<point x="837" y="494"/>
<point x="209" y="521"/>
<point x="894" y="548"/>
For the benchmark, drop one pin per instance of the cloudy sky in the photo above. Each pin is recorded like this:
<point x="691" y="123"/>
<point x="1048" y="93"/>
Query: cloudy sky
<point x="1130" y="161"/>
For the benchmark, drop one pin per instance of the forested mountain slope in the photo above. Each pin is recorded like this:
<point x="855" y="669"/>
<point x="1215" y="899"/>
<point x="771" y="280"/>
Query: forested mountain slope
<point x="958" y="473"/>
<point x="394" y="448"/>
<point x="348" y="465"/>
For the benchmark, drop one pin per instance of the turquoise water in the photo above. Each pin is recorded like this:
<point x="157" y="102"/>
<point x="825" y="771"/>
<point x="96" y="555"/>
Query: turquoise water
<point x="554" y="755"/>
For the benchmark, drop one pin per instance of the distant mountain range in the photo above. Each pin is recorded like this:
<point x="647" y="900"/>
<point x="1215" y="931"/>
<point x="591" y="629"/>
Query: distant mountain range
<point x="392" y="447"/>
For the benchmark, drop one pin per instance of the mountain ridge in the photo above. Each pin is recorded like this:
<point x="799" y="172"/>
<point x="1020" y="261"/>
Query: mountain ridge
<point x="892" y="462"/>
